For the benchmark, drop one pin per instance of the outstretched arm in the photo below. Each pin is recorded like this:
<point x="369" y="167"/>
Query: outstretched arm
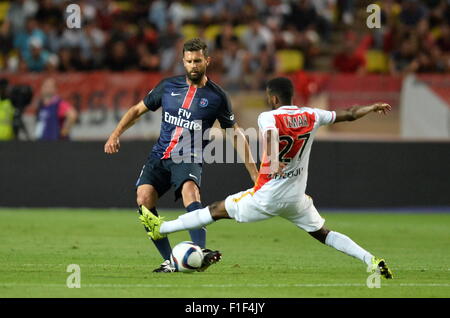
<point x="356" y="112"/>
<point x="129" y="119"/>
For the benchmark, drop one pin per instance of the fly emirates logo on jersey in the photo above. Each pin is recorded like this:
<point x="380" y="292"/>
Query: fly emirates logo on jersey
<point x="183" y="122"/>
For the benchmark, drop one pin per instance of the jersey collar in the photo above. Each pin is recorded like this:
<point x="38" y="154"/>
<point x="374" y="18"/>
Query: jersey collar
<point x="290" y="107"/>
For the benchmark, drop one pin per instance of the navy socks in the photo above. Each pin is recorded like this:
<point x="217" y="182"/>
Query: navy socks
<point x="162" y="245"/>
<point x="198" y="236"/>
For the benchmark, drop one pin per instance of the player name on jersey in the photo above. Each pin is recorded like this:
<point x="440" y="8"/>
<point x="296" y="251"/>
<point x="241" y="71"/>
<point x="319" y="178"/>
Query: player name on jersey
<point x="296" y="121"/>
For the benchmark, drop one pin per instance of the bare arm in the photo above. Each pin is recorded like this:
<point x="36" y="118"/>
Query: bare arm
<point x="356" y="112"/>
<point x="245" y="152"/>
<point x="272" y="152"/>
<point x="270" y="163"/>
<point x="129" y="119"/>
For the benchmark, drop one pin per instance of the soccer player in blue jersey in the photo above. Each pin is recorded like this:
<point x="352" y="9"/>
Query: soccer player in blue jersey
<point x="190" y="104"/>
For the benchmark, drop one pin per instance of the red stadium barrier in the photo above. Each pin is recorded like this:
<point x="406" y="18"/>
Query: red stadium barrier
<point x="121" y="90"/>
<point x="103" y="97"/>
<point x="97" y="90"/>
<point x="348" y="89"/>
<point x="112" y="90"/>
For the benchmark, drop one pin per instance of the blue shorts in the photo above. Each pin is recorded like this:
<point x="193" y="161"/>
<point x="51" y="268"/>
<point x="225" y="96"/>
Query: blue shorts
<point x="164" y="173"/>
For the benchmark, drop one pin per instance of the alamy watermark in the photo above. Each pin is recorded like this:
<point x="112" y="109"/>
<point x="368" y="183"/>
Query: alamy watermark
<point x="73" y="19"/>
<point x="193" y="145"/>
<point x="374" y="19"/>
<point x="74" y="279"/>
<point x="374" y="279"/>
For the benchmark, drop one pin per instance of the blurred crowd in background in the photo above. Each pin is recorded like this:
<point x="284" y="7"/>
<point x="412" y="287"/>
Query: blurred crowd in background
<point x="249" y="40"/>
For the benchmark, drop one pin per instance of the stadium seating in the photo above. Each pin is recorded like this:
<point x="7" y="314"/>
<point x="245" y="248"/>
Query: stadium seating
<point x="124" y="5"/>
<point x="4" y="6"/>
<point x="239" y="30"/>
<point x="376" y="61"/>
<point x="189" y="31"/>
<point x="289" y="60"/>
<point x="212" y="31"/>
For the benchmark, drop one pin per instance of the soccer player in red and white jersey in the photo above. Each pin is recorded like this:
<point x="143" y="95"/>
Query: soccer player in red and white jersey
<point x="288" y="132"/>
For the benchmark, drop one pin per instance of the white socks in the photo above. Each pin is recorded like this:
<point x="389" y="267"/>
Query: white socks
<point x="344" y="244"/>
<point x="188" y="221"/>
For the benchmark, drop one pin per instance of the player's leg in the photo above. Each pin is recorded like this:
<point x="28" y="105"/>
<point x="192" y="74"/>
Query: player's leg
<point x="342" y="243"/>
<point x="186" y="178"/>
<point x="346" y="245"/>
<point x="147" y="197"/>
<point x="309" y="219"/>
<point x="241" y="206"/>
<point x="218" y="211"/>
<point x="195" y="219"/>
<point x="190" y="193"/>
<point x="152" y="183"/>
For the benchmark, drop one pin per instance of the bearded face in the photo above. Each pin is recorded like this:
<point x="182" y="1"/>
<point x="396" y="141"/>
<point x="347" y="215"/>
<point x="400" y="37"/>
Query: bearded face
<point x="195" y="64"/>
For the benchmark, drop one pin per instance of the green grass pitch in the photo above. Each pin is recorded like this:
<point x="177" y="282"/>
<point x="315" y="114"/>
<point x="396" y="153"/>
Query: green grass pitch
<point x="267" y="259"/>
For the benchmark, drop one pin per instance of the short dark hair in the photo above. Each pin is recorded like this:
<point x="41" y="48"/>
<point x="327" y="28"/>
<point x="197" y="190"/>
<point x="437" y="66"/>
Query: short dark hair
<point x="282" y="88"/>
<point x="195" y="44"/>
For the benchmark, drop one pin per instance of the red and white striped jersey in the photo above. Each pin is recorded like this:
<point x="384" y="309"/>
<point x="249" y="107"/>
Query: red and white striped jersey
<point x="296" y="129"/>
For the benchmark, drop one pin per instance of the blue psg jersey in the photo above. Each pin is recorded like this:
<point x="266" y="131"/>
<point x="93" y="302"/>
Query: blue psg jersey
<point x="187" y="112"/>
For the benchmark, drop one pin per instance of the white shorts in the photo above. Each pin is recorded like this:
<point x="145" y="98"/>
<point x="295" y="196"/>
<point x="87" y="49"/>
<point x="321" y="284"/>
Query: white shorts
<point x="246" y="207"/>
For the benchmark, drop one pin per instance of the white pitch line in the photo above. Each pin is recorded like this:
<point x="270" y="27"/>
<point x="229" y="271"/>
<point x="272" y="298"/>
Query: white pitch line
<point x="220" y="285"/>
<point x="87" y="265"/>
<point x="147" y="266"/>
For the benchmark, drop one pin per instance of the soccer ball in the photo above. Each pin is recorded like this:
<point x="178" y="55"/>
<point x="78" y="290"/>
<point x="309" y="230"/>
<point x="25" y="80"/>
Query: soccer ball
<point x="186" y="257"/>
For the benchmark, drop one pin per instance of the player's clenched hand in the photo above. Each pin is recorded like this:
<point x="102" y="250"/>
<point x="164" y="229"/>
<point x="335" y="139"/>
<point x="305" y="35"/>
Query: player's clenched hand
<point x="382" y="108"/>
<point x="112" y="145"/>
